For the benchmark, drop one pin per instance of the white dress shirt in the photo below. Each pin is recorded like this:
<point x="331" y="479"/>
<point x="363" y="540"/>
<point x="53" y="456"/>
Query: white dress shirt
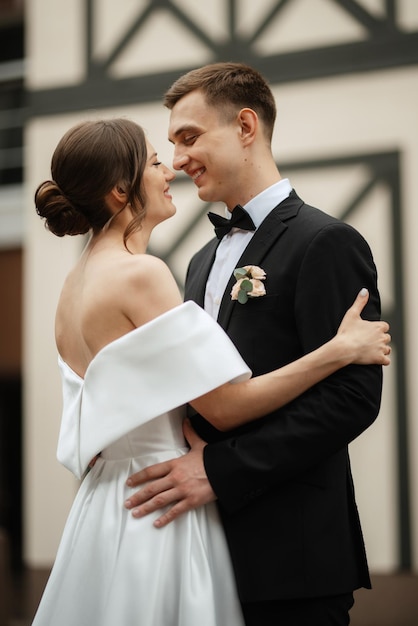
<point x="234" y="243"/>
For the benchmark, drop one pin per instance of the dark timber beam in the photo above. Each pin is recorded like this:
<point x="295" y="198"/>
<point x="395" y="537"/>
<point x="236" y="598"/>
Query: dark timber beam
<point x="100" y="91"/>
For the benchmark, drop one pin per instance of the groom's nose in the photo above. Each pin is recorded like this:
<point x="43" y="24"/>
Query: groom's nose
<point x="180" y="158"/>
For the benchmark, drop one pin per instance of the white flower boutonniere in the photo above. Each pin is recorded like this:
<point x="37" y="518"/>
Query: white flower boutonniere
<point x="248" y="283"/>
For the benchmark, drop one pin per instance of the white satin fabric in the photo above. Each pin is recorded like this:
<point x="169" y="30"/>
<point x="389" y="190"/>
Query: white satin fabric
<point x="112" y="569"/>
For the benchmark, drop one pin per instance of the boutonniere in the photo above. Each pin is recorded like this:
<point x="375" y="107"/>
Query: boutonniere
<point x="248" y="283"/>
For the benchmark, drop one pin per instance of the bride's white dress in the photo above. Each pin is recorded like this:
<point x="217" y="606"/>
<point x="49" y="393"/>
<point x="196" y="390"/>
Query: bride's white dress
<point x="112" y="569"/>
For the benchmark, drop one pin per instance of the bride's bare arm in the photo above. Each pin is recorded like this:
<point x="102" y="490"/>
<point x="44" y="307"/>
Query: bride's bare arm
<point x="357" y="341"/>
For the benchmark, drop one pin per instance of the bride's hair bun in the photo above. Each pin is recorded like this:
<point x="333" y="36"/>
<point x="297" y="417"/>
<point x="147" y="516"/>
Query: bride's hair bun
<point x="60" y="215"/>
<point x="90" y="160"/>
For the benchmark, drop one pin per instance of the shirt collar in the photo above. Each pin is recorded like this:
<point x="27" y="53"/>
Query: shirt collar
<point x="260" y="206"/>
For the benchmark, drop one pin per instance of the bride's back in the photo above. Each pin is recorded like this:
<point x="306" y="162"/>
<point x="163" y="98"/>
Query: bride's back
<point x="91" y="312"/>
<point x="109" y="293"/>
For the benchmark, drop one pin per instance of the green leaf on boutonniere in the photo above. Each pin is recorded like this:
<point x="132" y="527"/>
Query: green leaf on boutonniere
<point x="242" y="296"/>
<point x="240" y="272"/>
<point x="246" y="285"/>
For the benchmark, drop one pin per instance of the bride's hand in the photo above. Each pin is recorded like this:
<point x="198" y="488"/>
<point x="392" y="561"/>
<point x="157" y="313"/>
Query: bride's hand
<point x="367" y="342"/>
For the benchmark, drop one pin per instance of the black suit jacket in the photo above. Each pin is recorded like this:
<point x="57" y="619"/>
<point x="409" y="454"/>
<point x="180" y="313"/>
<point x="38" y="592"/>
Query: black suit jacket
<point x="283" y="482"/>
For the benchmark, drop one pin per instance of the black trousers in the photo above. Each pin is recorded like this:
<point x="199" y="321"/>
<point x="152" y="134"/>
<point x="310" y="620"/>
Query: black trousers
<point x="328" y="611"/>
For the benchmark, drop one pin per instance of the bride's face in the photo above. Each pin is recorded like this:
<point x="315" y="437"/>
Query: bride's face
<point x="156" y="179"/>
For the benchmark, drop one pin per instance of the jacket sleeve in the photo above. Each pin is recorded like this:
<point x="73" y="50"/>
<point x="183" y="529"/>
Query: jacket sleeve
<point x="296" y="439"/>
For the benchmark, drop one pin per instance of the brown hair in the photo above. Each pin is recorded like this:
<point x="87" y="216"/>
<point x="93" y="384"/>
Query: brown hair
<point x="89" y="160"/>
<point x="228" y="86"/>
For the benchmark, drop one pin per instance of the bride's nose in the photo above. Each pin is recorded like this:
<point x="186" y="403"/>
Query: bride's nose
<point x="169" y="174"/>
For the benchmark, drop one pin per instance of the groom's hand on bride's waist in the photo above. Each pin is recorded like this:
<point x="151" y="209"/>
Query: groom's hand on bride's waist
<point x="180" y="484"/>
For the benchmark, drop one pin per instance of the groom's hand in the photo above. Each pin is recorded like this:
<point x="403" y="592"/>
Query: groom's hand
<point x="180" y="483"/>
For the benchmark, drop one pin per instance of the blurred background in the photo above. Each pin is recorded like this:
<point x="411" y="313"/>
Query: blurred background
<point x="345" y="77"/>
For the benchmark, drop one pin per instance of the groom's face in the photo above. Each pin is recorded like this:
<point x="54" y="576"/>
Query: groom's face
<point x="207" y="147"/>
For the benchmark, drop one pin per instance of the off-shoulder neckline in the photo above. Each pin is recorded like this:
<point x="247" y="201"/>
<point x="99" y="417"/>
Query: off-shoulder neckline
<point x="123" y="338"/>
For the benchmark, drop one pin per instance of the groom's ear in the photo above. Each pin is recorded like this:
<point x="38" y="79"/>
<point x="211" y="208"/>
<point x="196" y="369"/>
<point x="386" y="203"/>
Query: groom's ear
<point x="248" y="124"/>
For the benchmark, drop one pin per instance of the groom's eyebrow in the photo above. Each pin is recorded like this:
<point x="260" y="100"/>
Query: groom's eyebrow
<point x="183" y="129"/>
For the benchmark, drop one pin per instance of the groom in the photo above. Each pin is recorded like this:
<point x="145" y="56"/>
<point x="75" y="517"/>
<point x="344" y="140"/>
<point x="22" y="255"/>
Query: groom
<point x="283" y="483"/>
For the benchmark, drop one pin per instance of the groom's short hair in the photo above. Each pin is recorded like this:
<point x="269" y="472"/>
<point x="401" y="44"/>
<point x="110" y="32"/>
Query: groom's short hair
<point x="229" y="87"/>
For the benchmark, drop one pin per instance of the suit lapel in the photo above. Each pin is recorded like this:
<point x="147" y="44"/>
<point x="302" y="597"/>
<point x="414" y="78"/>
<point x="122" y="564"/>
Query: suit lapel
<point x="196" y="282"/>
<point x="266" y="236"/>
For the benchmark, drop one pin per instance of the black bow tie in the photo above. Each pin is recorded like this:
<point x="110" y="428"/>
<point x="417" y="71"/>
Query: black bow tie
<point x="240" y="219"/>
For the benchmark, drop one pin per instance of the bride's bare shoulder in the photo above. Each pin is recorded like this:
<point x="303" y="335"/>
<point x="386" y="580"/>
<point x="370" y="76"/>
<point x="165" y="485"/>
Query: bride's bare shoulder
<point x="148" y="288"/>
<point x="145" y="262"/>
<point x="145" y="271"/>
